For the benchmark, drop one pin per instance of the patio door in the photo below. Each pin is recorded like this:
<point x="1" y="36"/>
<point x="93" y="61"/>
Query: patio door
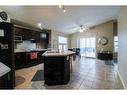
<point x="88" y="47"/>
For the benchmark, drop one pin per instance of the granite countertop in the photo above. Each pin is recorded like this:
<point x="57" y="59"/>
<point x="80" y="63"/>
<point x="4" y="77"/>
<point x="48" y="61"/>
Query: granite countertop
<point x="4" y="69"/>
<point x="16" y="51"/>
<point x="65" y="53"/>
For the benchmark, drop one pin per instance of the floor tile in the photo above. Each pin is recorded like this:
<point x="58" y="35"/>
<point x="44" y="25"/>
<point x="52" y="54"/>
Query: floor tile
<point x="87" y="74"/>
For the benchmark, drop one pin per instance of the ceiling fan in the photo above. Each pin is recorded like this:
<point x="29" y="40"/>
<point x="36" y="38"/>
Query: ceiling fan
<point x="80" y="28"/>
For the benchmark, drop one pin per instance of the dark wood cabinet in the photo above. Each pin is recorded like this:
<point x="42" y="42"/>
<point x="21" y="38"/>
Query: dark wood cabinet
<point x="42" y="37"/>
<point x="25" y="33"/>
<point x="4" y="81"/>
<point x="105" y="56"/>
<point x="41" y="57"/>
<point x="56" y="70"/>
<point x="20" y="60"/>
<point x="7" y="54"/>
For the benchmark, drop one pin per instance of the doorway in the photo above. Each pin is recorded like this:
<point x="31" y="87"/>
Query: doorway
<point x="88" y="47"/>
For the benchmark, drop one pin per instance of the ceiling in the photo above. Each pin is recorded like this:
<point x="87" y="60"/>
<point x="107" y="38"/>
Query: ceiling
<point x="52" y="17"/>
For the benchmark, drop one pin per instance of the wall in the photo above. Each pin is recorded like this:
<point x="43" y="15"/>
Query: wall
<point x="122" y="47"/>
<point x="105" y="29"/>
<point x="54" y="38"/>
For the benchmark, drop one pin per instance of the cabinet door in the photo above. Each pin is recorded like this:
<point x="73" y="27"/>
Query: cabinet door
<point x="18" y="31"/>
<point x="27" y="34"/>
<point x="4" y="82"/>
<point x="20" y="60"/>
<point x="37" y="37"/>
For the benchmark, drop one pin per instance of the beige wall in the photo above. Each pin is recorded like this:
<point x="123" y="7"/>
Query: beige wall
<point x="54" y="38"/>
<point x="122" y="47"/>
<point x="105" y="29"/>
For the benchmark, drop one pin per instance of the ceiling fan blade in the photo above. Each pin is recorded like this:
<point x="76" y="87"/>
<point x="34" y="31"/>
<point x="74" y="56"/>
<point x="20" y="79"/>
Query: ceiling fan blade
<point x="74" y="29"/>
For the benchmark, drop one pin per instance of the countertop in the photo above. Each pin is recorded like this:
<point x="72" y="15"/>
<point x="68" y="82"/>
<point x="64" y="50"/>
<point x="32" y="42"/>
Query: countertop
<point x="65" y="53"/>
<point x="16" y="51"/>
<point x="4" y="69"/>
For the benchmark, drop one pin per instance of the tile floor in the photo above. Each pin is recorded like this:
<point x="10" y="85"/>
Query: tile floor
<point x="87" y="74"/>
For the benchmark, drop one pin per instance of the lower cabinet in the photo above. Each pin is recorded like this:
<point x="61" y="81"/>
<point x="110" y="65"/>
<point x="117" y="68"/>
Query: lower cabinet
<point x="105" y="56"/>
<point x="4" y="81"/>
<point x="41" y="57"/>
<point x="20" y="60"/>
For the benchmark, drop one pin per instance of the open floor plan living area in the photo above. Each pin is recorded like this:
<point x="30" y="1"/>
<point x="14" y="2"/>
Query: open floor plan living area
<point x="63" y="47"/>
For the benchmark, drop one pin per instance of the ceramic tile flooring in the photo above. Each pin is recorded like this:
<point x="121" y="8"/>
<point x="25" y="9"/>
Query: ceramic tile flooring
<point x="87" y="74"/>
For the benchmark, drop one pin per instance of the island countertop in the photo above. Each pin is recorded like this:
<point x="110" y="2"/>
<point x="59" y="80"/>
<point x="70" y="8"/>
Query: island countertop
<point x="4" y="69"/>
<point x="65" y="53"/>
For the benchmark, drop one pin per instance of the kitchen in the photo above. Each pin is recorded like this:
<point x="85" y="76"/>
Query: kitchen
<point x="28" y="45"/>
<point x="37" y="52"/>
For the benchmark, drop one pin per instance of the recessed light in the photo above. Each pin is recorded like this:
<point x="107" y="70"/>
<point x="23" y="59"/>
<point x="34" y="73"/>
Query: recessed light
<point x="39" y="24"/>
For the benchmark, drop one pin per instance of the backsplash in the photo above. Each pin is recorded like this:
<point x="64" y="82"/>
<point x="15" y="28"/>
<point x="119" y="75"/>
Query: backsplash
<point x="25" y="45"/>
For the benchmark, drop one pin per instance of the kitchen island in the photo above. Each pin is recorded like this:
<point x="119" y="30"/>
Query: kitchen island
<point x="57" y="67"/>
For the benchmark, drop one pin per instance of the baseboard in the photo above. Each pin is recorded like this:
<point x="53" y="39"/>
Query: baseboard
<point x="121" y="80"/>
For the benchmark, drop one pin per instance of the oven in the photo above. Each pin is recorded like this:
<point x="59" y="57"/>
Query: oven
<point x="32" y="57"/>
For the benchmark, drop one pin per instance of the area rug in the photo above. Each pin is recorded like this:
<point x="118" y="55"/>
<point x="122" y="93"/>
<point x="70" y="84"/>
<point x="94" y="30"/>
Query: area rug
<point x="19" y="80"/>
<point x="39" y="76"/>
<point x="109" y="63"/>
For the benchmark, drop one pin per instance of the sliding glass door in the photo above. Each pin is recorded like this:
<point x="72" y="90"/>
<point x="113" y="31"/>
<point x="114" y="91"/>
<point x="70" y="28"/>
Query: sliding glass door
<point x="88" y="47"/>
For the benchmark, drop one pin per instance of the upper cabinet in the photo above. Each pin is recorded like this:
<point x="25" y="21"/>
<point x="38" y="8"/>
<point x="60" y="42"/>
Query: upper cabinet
<point x="41" y="38"/>
<point x="25" y="33"/>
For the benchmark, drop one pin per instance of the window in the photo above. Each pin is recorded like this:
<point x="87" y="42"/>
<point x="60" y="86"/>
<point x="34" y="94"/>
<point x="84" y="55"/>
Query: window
<point x="62" y="43"/>
<point x="116" y="44"/>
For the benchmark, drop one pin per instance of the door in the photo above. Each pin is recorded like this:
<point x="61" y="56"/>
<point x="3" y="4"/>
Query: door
<point x="88" y="47"/>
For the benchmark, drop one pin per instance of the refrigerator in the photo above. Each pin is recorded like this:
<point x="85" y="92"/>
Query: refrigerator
<point x="7" y="51"/>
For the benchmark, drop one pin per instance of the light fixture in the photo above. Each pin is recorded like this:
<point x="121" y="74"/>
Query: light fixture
<point x="63" y="8"/>
<point x="40" y="25"/>
<point x="82" y="28"/>
<point x="43" y="35"/>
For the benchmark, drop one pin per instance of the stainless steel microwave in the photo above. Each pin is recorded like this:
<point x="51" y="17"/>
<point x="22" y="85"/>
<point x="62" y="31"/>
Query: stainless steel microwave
<point x="17" y="38"/>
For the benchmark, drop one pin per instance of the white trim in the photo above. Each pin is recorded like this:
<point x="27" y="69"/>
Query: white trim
<point x="121" y="80"/>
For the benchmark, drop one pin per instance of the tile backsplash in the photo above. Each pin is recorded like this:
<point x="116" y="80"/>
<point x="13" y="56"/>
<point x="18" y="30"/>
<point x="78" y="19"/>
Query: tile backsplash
<point x="25" y="45"/>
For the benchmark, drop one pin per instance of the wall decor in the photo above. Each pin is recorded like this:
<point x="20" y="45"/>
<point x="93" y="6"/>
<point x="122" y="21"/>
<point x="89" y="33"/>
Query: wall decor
<point x="3" y="15"/>
<point x="103" y="40"/>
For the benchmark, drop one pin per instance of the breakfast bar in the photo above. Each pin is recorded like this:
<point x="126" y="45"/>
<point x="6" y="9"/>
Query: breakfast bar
<point x="57" y="67"/>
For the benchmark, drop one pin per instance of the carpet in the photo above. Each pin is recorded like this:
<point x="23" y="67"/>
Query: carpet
<point x="19" y="80"/>
<point x="39" y="76"/>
